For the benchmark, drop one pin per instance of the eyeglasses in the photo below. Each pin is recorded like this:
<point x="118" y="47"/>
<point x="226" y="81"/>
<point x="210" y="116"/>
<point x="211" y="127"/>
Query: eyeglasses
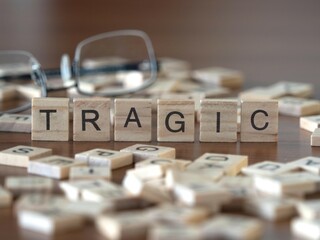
<point x="106" y="65"/>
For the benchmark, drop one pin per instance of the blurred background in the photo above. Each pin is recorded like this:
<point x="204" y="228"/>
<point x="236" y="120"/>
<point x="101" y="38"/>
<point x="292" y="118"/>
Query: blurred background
<point x="269" y="41"/>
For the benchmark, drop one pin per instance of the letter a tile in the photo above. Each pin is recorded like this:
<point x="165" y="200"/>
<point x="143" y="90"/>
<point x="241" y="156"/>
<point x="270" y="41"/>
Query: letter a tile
<point x="132" y="120"/>
<point x="175" y="120"/>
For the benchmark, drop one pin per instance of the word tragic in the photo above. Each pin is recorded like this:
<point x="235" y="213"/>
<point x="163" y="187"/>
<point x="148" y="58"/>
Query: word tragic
<point x="132" y="120"/>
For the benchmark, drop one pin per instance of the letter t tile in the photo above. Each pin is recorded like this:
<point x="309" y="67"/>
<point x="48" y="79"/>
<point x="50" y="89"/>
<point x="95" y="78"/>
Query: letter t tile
<point x="50" y="119"/>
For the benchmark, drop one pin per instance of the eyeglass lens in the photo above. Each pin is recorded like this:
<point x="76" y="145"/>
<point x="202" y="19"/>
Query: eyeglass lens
<point x="16" y="81"/>
<point x="113" y="64"/>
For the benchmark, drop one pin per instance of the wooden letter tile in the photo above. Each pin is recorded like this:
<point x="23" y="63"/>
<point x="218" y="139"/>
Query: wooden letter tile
<point x="305" y="228"/>
<point x="309" y="209"/>
<point x="28" y="184"/>
<point x="38" y="201"/>
<point x="296" y="89"/>
<point x="53" y="166"/>
<point x="259" y="121"/>
<point x="315" y="137"/>
<point x="105" y="158"/>
<point x="156" y="191"/>
<point x="310" y="164"/>
<point x="166" y="231"/>
<point x="91" y="119"/>
<point x="117" y="197"/>
<point x="7" y="91"/>
<point x="241" y="189"/>
<point x="243" y="227"/>
<point x="74" y="189"/>
<point x="20" y="156"/>
<point x="29" y="90"/>
<point x="172" y="65"/>
<point x="143" y="152"/>
<point x="132" y="120"/>
<point x="177" y="214"/>
<point x="50" y="119"/>
<point x="5" y="198"/>
<point x="267" y="168"/>
<point x="293" y="106"/>
<point x="175" y="120"/>
<point x="96" y="83"/>
<point x="15" y="123"/>
<point x="49" y="221"/>
<point x="165" y="163"/>
<point x="151" y="190"/>
<point x="270" y="208"/>
<point x="230" y="164"/>
<point x="218" y="120"/>
<point x="293" y="184"/>
<point x="219" y="76"/>
<point x="261" y="93"/>
<point x="35" y="202"/>
<point x="200" y="193"/>
<point x="135" y="179"/>
<point x="310" y="123"/>
<point x="212" y="171"/>
<point x="90" y="173"/>
<point x="164" y="85"/>
<point x="174" y="177"/>
<point x="126" y="225"/>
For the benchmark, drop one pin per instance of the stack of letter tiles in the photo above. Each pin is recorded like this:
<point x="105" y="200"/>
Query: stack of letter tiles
<point x="161" y="196"/>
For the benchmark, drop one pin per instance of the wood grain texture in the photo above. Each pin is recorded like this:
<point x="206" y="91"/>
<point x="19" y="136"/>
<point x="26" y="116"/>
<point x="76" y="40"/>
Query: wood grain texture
<point x="315" y="137"/>
<point x="268" y="41"/>
<point x="310" y="123"/>
<point x="142" y="152"/>
<point x="218" y="120"/>
<point x="20" y="156"/>
<point x="132" y="120"/>
<point x="293" y="106"/>
<point x="91" y="119"/>
<point x="176" y="119"/>
<point x="15" y="123"/>
<point x="259" y="121"/>
<point x="50" y="119"/>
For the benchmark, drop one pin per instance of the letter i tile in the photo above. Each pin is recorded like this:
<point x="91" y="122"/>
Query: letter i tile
<point x="259" y="121"/>
<point x="218" y="120"/>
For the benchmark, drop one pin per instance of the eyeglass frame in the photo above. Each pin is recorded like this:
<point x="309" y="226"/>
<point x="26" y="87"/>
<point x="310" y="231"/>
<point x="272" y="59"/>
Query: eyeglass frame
<point x="153" y="63"/>
<point x="37" y="75"/>
<point x="67" y="71"/>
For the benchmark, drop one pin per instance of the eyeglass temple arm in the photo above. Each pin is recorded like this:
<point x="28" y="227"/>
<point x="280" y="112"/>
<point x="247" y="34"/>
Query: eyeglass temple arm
<point x="113" y="68"/>
<point x="48" y="72"/>
<point x="87" y="71"/>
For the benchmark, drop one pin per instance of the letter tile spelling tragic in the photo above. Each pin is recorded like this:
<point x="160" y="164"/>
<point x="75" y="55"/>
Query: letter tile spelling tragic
<point x="133" y="120"/>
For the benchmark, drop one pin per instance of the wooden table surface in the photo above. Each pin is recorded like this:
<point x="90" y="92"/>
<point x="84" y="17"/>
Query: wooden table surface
<point x="268" y="41"/>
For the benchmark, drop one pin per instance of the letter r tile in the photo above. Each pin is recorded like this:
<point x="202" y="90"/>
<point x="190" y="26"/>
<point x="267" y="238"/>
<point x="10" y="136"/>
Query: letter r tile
<point x="91" y="119"/>
<point x="175" y="120"/>
<point x="50" y="119"/>
<point x="259" y="121"/>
